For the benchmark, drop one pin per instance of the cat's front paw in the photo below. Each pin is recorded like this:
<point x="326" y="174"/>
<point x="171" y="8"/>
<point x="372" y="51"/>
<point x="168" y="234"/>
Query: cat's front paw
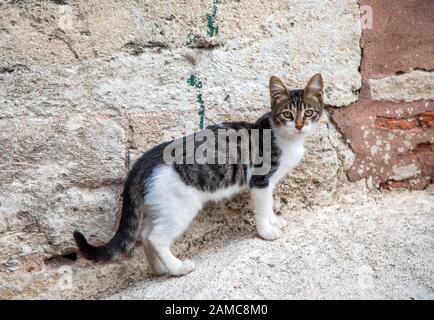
<point x="270" y="232"/>
<point x="278" y="222"/>
<point x="159" y="271"/>
<point x="186" y="267"/>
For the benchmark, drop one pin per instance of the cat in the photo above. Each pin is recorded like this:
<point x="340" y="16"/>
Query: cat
<point x="161" y="199"/>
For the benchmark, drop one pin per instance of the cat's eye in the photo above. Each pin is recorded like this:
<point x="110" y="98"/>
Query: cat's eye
<point x="308" y="113"/>
<point x="287" y="115"/>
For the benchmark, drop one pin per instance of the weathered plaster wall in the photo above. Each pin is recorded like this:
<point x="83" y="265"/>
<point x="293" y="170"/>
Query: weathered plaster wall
<point x="87" y="86"/>
<point x="391" y="127"/>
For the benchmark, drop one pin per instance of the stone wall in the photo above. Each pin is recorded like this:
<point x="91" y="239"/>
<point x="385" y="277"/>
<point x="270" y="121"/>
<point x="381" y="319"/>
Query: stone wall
<point x="87" y="86"/>
<point x="391" y="127"/>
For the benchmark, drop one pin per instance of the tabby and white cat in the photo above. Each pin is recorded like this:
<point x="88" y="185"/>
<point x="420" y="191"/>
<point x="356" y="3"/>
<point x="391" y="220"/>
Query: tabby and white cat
<point x="161" y="199"/>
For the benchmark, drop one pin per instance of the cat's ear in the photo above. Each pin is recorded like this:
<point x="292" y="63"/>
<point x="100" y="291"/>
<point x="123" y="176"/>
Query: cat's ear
<point x="314" y="88"/>
<point x="277" y="89"/>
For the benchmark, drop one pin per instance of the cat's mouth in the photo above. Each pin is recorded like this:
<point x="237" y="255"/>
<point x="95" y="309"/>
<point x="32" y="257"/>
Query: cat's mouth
<point x="296" y="132"/>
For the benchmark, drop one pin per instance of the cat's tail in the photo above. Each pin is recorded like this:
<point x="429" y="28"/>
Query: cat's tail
<point x="124" y="238"/>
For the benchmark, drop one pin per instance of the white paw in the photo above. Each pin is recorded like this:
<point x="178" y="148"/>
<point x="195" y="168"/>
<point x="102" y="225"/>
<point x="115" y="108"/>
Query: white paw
<point x="186" y="267"/>
<point x="270" y="232"/>
<point x="279" y="222"/>
<point x="159" y="270"/>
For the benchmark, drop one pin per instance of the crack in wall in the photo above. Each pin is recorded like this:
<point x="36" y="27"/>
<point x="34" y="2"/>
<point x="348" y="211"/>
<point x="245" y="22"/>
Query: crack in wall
<point x="60" y="35"/>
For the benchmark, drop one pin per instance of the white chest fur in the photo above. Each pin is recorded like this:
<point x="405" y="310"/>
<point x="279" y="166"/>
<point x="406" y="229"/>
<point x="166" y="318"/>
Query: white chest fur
<point x="292" y="153"/>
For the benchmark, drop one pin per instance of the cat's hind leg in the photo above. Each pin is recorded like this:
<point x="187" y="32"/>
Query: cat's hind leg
<point x="173" y="206"/>
<point x="156" y="265"/>
<point x="161" y="237"/>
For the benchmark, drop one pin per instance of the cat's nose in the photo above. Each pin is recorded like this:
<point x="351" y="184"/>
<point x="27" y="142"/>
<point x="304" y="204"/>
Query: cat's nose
<point x="299" y="125"/>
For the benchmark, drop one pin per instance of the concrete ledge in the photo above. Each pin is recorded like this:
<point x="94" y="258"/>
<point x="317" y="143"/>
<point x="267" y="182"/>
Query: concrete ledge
<point x="380" y="248"/>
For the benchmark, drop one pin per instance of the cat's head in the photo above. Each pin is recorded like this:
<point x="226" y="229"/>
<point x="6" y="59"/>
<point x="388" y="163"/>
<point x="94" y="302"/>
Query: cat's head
<point x="296" y="111"/>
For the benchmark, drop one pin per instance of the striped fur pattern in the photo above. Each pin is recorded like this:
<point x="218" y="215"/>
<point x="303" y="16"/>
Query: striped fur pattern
<point x="212" y="177"/>
<point x="161" y="199"/>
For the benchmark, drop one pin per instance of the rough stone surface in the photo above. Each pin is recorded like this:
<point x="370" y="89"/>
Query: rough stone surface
<point x="346" y="251"/>
<point x="391" y="126"/>
<point x="388" y="135"/>
<point x="87" y="86"/>
<point x="89" y="38"/>
<point x="412" y="86"/>
<point x="399" y="40"/>
<point x="56" y="172"/>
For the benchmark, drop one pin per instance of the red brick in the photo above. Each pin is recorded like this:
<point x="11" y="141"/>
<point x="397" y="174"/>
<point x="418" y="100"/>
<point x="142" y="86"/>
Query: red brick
<point x="395" y="124"/>
<point x="401" y="38"/>
<point x="427" y="119"/>
<point x="411" y="141"/>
